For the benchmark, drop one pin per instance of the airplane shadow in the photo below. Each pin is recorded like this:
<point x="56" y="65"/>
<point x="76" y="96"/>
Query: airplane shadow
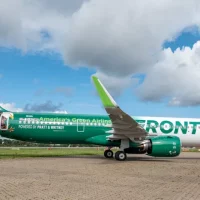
<point x="187" y="158"/>
<point x="107" y="161"/>
<point x="132" y="158"/>
<point x="129" y="159"/>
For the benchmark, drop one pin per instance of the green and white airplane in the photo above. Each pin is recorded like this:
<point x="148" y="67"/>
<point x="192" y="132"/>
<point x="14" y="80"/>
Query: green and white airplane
<point x="153" y="136"/>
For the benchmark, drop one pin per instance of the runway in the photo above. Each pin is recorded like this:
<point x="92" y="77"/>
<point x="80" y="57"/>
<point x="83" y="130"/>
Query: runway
<point x="94" y="177"/>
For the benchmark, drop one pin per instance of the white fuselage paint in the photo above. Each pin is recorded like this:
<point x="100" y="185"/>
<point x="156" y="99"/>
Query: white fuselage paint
<point x="191" y="137"/>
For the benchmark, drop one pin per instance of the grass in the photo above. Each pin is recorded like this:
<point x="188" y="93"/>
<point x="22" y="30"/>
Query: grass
<point x="190" y="150"/>
<point x="9" y="153"/>
<point x="46" y="152"/>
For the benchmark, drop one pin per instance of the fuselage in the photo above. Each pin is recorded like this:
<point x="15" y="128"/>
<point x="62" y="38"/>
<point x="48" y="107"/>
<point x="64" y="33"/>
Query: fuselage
<point x="80" y="129"/>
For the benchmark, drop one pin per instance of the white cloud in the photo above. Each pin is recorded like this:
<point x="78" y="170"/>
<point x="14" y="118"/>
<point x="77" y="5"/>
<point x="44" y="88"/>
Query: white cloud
<point x="23" y="22"/>
<point x="61" y="111"/>
<point x="118" y="38"/>
<point x="175" y="76"/>
<point x="174" y="102"/>
<point x="115" y="85"/>
<point x="11" y="107"/>
<point x="11" y="32"/>
<point x="47" y="106"/>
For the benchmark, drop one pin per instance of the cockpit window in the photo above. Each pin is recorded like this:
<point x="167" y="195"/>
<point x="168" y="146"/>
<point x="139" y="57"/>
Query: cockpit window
<point x="3" y="122"/>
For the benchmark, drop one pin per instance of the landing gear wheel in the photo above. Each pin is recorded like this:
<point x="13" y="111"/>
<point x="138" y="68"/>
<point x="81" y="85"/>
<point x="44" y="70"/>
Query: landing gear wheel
<point x="108" y="154"/>
<point x="120" y="155"/>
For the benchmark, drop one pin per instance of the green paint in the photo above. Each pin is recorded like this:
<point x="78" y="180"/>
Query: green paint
<point x="83" y="129"/>
<point x="166" y="130"/>
<point x="68" y="128"/>
<point x="141" y="122"/>
<point x="194" y="128"/>
<point x="57" y="128"/>
<point x="152" y="125"/>
<point x="182" y="127"/>
<point x="106" y="100"/>
<point x="3" y="110"/>
<point x="56" y="119"/>
<point x="165" y="146"/>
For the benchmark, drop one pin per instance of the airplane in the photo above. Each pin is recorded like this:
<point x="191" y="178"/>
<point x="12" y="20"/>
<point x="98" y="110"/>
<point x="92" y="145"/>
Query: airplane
<point x="153" y="136"/>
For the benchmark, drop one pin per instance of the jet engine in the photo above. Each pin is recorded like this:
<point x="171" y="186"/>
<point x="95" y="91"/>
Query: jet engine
<point x="160" y="146"/>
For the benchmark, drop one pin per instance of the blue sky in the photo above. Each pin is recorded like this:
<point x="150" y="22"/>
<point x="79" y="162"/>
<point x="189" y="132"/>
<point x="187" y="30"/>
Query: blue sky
<point x="35" y="78"/>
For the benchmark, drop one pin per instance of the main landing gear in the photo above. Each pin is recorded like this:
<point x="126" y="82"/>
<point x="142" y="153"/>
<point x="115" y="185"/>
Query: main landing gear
<point x="108" y="153"/>
<point x="119" y="155"/>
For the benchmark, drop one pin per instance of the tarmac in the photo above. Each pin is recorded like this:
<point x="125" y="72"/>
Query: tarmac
<point x="95" y="177"/>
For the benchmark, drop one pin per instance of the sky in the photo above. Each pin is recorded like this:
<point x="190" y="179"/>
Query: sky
<point x="147" y="54"/>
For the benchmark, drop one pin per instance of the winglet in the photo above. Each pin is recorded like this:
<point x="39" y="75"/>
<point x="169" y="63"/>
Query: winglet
<point x="105" y="97"/>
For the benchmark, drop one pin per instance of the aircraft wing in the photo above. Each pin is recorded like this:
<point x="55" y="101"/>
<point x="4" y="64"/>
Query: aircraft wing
<point x="123" y="125"/>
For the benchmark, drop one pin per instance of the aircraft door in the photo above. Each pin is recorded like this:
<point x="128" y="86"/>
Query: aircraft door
<point x="80" y="126"/>
<point x="4" y="121"/>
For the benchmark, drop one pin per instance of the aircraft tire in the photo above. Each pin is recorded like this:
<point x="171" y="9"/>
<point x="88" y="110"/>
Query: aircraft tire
<point x="120" y="155"/>
<point x="108" y="154"/>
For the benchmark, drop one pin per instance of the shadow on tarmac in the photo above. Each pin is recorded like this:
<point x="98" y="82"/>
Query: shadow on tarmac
<point x="102" y="158"/>
<point x="130" y="158"/>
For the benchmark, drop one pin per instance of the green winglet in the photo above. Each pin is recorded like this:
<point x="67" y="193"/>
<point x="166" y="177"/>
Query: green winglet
<point x="105" y="97"/>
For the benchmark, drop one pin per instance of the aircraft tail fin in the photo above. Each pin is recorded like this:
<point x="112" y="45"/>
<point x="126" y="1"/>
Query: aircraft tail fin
<point x="3" y="110"/>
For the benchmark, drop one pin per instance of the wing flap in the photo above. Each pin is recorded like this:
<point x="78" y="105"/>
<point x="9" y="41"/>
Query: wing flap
<point x="116" y="137"/>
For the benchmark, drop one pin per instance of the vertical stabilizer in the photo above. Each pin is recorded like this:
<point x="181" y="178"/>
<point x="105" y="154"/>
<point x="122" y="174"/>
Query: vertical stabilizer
<point x="3" y="110"/>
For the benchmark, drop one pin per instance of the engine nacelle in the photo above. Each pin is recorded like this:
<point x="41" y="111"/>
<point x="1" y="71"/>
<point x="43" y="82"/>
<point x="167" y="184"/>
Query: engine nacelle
<point x="160" y="146"/>
<point x="165" y="146"/>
